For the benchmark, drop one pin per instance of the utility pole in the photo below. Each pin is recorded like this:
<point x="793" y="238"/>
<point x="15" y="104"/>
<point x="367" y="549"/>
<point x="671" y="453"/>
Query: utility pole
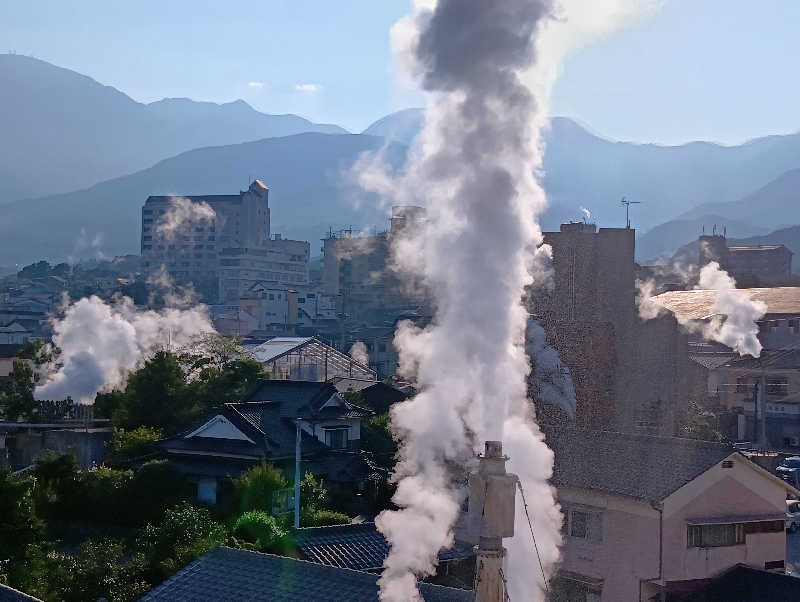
<point x="298" y="436"/>
<point x="492" y="496"/>
<point x="628" y="204"/>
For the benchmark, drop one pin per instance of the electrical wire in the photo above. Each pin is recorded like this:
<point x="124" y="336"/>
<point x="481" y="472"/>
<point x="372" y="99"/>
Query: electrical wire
<point x="535" y="547"/>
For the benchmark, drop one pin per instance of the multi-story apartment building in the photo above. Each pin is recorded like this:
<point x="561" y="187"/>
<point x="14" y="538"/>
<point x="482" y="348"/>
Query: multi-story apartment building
<point x="220" y="243"/>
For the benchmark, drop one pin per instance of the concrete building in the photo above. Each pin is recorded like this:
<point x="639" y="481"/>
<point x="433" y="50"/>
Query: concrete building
<point x="221" y="254"/>
<point x="627" y="373"/>
<point x="768" y="265"/>
<point x="646" y="516"/>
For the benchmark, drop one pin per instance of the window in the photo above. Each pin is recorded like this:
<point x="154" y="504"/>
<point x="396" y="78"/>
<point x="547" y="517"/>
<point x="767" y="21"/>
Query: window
<point x="583" y="523"/>
<point x="778" y="386"/>
<point x="336" y="438"/>
<point x="715" y="536"/>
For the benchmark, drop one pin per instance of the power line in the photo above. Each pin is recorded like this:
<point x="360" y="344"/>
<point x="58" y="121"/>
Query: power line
<point x="530" y="526"/>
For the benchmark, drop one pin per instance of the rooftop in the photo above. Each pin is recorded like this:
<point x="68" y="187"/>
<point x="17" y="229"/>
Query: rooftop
<point x="699" y="304"/>
<point x="637" y="466"/>
<point x="229" y="574"/>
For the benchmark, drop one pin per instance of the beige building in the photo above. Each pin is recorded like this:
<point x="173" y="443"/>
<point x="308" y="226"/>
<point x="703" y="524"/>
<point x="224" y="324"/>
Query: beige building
<point x="220" y="243"/>
<point x="647" y="514"/>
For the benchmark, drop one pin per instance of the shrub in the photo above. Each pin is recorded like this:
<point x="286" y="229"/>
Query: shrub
<point x="183" y="534"/>
<point x="323" y="518"/>
<point x="261" y="529"/>
<point x="128" y="444"/>
<point x="156" y="486"/>
<point x="255" y="487"/>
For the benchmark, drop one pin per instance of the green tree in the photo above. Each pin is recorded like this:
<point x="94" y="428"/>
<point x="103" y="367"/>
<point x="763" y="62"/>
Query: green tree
<point x="157" y="396"/>
<point x="18" y="401"/>
<point x="40" y="269"/>
<point x="254" y="488"/>
<point x="183" y="534"/>
<point x="700" y="424"/>
<point x="99" y="571"/>
<point x="126" y="445"/>
<point x="156" y="486"/>
<point x="20" y="528"/>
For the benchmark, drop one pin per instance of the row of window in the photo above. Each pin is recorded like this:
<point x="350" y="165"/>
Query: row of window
<point x="728" y="534"/>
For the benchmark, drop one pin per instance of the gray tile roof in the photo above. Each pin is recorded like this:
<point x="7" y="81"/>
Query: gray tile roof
<point x="226" y="574"/>
<point x="358" y="546"/>
<point x="638" y="466"/>
<point x="9" y="594"/>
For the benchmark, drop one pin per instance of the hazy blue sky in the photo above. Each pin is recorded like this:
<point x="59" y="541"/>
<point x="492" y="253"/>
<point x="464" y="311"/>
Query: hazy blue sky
<point x="723" y="70"/>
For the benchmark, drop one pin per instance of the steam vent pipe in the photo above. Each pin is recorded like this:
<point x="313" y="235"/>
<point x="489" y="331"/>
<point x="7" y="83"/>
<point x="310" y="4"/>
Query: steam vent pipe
<point x="492" y="496"/>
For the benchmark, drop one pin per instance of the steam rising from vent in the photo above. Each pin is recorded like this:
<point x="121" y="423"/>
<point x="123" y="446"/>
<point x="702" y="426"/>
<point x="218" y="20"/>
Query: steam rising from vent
<point x="101" y="343"/>
<point x="552" y="379"/>
<point x="181" y="211"/>
<point x="358" y="351"/>
<point x="489" y="65"/>
<point x="736" y="314"/>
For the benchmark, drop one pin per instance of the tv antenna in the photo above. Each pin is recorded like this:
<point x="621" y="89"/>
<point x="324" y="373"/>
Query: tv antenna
<point x="628" y="204"/>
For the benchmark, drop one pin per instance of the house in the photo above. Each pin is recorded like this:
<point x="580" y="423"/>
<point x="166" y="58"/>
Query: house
<point x="307" y="358"/>
<point x="779" y="328"/>
<point x="14" y="333"/>
<point x="264" y="427"/>
<point x="378" y="396"/>
<point x="644" y="514"/>
<point x="7" y="355"/>
<point x="230" y="574"/>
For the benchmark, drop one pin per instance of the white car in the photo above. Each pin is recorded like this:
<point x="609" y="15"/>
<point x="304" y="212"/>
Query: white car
<point x="792" y="515"/>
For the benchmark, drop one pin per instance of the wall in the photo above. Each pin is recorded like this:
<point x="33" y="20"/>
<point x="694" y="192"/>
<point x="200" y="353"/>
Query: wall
<point x="628" y="552"/>
<point x="88" y="447"/>
<point x="740" y="491"/>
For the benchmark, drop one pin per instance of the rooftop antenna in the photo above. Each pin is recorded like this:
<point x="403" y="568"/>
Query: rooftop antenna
<point x="628" y="204"/>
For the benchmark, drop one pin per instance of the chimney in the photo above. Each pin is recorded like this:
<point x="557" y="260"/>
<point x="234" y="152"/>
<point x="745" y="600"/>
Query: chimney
<point x="492" y="497"/>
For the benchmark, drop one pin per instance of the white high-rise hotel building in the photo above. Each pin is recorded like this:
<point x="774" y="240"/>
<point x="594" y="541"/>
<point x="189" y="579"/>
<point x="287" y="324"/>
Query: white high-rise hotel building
<point x="225" y="254"/>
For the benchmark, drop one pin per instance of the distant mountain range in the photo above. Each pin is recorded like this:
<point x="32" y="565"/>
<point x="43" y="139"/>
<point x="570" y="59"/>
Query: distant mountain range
<point x="63" y="131"/>
<point x="70" y="141"/>
<point x="311" y="189"/>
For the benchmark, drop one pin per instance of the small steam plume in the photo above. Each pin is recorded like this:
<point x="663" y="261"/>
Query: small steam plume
<point x="101" y="343"/>
<point x="171" y="294"/>
<point x="648" y="309"/>
<point x="358" y="351"/>
<point x="489" y="65"/>
<point x="182" y="210"/>
<point x="736" y="314"/>
<point x="553" y="380"/>
<point x="587" y="215"/>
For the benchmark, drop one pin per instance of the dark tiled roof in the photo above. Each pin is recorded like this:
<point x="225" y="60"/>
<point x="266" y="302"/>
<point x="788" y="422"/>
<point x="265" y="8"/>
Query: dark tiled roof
<point x="228" y="574"/>
<point x="779" y="359"/>
<point x="359" y="546"/>
<point x="293" y="395"/>
<point x="638" y="466"/>
<point x="743" y="584"/>
<point x="9" y="594"/>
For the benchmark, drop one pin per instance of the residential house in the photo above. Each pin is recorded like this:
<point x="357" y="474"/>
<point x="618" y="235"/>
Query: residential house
<point x="14" y="333"/>
<point x="645" y="514"/>
<point x="230" y="574"/>
<point x="264" y="427"/>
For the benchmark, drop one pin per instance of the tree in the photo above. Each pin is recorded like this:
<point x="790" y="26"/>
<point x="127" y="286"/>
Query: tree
<point x="20" y="528"/>
<point x="156" y="486"/>
<point x="700" y="424"/>
<point x="126" y="445"/>
<point x="254" y="488"/>
<point x="18" y="401"/>
<point x="157" y="396"/>
<point x="183" y="534"/>
<point x="40" y="269"/>
<point x="261" y="529"/>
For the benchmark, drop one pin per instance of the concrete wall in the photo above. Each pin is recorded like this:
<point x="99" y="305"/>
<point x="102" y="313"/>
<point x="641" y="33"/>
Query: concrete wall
<point x="88" y="447"/>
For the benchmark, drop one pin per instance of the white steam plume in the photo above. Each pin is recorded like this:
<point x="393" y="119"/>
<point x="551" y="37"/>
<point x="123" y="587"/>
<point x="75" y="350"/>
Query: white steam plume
<point x="101" y="343"/>
<point x="552" y="378"/>
<point x="489" y="65"/>
<point x="736" y="314"/>
<point x="182" y="210"/>
<point x="358" y="351"/>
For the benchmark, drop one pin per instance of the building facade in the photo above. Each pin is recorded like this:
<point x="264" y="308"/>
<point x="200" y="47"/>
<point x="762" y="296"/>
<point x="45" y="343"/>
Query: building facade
<point x="220" y="243"/>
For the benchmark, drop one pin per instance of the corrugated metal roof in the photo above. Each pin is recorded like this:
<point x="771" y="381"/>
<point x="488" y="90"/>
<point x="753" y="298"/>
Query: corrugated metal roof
<point x="699" y="304"/>
<point x="274" y="348"/>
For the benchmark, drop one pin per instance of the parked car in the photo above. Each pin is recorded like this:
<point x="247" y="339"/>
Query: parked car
<point x="789" y="470"/>
<point x="792" y="515"/>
